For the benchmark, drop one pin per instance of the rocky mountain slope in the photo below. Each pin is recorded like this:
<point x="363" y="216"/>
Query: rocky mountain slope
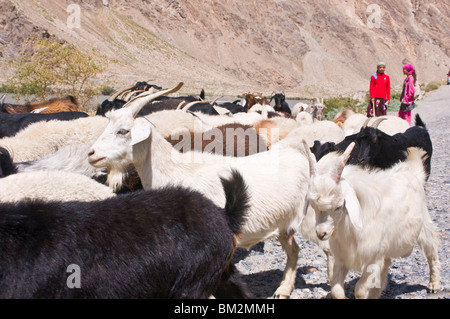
<point x="306" y="48"/>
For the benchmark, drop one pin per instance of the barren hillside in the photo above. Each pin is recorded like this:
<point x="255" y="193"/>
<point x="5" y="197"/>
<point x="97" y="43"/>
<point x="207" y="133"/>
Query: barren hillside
<point x="307" y="48"/>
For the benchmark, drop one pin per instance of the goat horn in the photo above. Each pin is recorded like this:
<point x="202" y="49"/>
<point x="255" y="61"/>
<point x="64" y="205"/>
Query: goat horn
<point x="378" y="121"/>
<point x="339" y="167"/>
<point x="189" y="105"/>
<point x="2" y="100"/>
<point x="214" y="101"/>
<point x="114" y="96"/>
<point x="138" y="102"/>
<point x="39" y="110"/>
<point x="130" y="94"/>
<point x="365" y="123"/>
<point x="179" y="105"/>
<point x="311" y="159"/>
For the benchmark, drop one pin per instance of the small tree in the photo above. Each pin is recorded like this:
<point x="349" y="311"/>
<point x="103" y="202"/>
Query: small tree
<point x="59" y="67"/>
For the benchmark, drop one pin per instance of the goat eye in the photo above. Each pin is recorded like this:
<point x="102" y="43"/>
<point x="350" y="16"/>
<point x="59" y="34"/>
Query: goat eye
<point x="123" y="131"/>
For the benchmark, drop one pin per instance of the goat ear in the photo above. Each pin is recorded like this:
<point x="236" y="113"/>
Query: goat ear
<point x="305" y="208"/>
<point x="141" y="130"/>
<point x="352" y="205"/>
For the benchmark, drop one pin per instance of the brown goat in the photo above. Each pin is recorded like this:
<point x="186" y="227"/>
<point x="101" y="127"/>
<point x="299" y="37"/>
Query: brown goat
<point x="243" y="138"/>
<point x="254" y="98"/>
<point x="54" y="105"/>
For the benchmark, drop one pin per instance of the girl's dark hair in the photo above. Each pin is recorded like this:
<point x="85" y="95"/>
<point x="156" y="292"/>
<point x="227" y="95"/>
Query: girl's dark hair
<point x="414" y="76"/>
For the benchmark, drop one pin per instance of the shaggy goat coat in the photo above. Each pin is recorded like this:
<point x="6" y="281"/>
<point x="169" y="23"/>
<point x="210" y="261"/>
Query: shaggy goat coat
<point x="166" y="243"/>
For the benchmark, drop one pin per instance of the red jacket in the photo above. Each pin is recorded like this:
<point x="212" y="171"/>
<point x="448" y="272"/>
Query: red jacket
<point x="380" y="87"/>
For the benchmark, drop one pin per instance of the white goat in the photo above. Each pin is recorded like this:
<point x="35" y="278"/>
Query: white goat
<point x="168" y="122"/>
<point x="52" y="185"/>
<point x="371" y="216"/>
<point x="391" y="125"/>
<point x="297" y="108"/>
<point x="323" y="131"/>
<point x="128" y="139"/>
<point x="353" y="123"/>
<point x="44" y="138"/>
<point x="218" y="120"/>
<point x="304" y="118"/>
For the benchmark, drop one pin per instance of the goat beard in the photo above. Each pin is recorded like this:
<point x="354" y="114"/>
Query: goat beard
<point x="115" y="178"/>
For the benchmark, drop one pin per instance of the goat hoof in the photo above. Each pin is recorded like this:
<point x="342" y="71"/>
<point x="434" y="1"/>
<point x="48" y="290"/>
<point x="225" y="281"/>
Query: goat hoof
<point x="434" y="287"/>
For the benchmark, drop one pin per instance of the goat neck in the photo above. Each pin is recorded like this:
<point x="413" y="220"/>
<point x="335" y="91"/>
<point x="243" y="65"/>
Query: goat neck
<point x="158" y="164"/>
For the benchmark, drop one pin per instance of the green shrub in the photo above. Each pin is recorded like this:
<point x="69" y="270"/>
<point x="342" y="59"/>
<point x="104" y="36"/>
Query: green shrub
<point x="433" y="85"/>
<point x="56" y="67"/>
<point x="336" y="104"/>
<point x="107" y="90"/>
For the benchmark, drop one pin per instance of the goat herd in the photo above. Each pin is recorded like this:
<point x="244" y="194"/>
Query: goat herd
<point x="150" y="197"/>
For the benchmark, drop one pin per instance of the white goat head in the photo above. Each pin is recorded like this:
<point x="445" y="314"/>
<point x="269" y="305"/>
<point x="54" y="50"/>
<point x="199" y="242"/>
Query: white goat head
<point x="331" y="196"/>
<point x="114" y="148"/>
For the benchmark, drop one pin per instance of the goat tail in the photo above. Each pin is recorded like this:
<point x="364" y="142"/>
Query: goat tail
<point x="237" y="200"/>
<point x="416" y="157"/>
<point x="419" y="121"/>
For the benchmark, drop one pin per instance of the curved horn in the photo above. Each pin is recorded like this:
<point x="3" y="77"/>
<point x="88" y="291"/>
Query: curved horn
<point x="365" y="123"/>
<point x="2" y="100"/>
<point x="378" y="121"/>
<point x="138" y="102"/>
<point x="179" y="105"/>
<point x="340" y="164"/>
<point x="130" y="94"/>
<point x="39" y="110"/>
<point x="214" y="101"/>
<point x="189" y="105"/>
<point x="114" y="96"/>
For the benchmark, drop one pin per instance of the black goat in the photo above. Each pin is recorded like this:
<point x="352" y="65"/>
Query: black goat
<point x="10" y="124"/>
<point x="234" y="107"/>
<point x="108" y="105"/>
<point x="203" y="107"/>
<point x="167" y="243"/>
<point x="280" y="103"/>
<point x="145" y="86"/>
<point x="377" y="149"/>
<point x="114" y="102"/>
<point x="169" y="103"/>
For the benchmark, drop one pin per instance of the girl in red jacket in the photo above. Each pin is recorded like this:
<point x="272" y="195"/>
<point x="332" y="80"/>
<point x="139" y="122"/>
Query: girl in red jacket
<point x="407" y="97"/>
<point x="380" y="92"/>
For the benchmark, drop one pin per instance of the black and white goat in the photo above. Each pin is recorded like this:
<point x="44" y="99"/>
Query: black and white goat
<point x="375" y="148"/>
<point x="10" y="124"/>
<point x="166" y="243"/>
